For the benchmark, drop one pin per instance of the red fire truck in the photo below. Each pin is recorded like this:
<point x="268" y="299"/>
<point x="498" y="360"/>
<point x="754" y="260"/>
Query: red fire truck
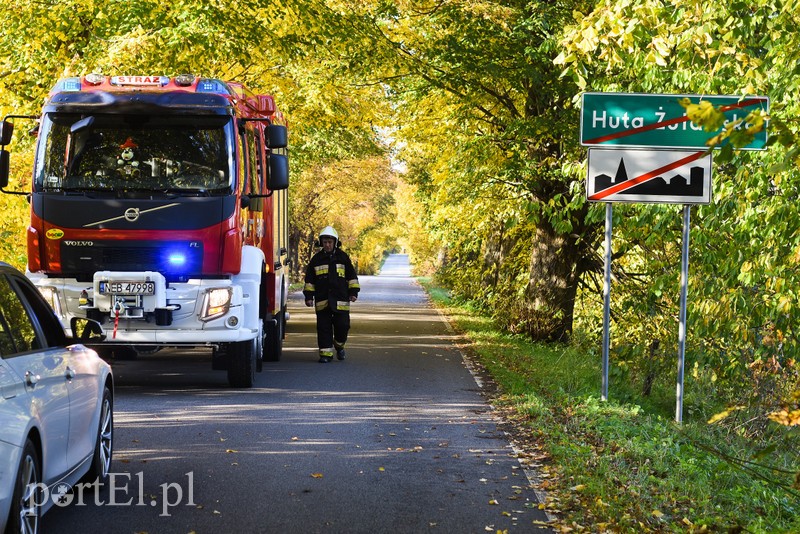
<point x="159" y="209"/>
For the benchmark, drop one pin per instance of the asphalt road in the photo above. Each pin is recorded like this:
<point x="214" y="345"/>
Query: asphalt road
<point x="396" y="438"/>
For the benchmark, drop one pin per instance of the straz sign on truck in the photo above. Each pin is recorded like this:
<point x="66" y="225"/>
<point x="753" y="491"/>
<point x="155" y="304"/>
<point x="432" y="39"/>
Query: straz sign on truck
<point x="159" y="209"/>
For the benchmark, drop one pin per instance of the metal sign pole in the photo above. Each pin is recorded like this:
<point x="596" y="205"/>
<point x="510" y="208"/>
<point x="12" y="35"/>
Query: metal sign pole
<point x="682" y="319"/>
<point x="607" y="302"/>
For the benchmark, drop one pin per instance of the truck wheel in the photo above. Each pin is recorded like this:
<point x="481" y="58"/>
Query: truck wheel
<point x="274" y="340"/>
<point x="260" y="340"/>
<point x="242" y="364"/>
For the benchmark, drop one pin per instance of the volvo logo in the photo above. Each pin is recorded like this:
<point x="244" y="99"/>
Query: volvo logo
<point x="131" y="214"/>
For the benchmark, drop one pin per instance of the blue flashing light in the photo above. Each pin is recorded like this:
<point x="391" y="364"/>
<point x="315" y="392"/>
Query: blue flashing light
<point x="212" y="86"/>
<point x="176" y="259"/>
<point x="69" y="84"/>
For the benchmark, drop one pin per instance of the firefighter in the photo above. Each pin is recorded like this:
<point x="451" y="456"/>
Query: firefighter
<point x="331" y="284"/>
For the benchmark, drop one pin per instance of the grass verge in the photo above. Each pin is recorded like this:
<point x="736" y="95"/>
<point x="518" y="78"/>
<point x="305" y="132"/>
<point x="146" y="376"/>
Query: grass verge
<point x="616" y="467"/>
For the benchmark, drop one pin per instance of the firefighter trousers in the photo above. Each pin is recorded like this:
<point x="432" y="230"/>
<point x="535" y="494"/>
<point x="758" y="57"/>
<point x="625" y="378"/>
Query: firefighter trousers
<point x="332" y="329"/>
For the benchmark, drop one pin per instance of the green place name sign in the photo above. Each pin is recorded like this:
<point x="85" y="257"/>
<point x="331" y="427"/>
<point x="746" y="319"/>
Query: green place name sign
<point x="638" y="120"/>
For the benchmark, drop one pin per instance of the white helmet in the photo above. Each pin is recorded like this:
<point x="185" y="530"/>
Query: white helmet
<point x="329" y="231"/>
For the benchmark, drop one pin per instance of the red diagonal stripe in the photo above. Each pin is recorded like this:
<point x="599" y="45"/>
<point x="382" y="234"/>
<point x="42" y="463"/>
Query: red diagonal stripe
<point x="627" y="184"/>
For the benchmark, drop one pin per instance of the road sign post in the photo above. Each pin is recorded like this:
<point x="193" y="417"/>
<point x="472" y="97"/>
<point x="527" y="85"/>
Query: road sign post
<point x="607" y="300"/>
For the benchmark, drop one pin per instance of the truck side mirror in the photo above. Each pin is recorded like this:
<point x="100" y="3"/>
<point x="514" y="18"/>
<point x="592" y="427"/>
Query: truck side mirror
<point x="278" y="172"/>
<point x="277" y="136"/>
<point x="6" y="129"/>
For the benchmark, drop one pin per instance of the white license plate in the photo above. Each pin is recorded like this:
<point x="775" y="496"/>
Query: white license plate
<point x="128" y="288"/>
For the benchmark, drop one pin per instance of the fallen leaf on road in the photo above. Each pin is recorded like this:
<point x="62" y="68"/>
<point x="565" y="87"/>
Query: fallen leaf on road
<point x="316" y="475"/>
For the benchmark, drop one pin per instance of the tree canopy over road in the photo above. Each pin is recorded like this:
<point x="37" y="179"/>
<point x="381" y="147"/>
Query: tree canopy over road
<point x="451" y="128"/>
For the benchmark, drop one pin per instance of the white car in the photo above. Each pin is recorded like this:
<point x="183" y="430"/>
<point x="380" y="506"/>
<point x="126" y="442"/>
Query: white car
<point x="56" y="410"/>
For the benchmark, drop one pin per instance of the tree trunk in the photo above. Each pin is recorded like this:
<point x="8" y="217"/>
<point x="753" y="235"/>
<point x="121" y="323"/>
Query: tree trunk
<point x="552" y="285"/>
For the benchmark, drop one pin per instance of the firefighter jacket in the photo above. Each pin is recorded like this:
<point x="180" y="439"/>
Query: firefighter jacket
<point x="331" y="280"/>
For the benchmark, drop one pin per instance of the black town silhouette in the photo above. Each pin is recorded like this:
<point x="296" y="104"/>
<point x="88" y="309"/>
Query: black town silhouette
<point x="657" y="186"/>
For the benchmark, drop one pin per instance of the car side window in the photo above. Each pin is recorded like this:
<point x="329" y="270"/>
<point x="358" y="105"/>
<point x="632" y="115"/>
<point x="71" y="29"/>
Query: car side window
<point x="48" y="322"/>
<point x="17" y="329"/>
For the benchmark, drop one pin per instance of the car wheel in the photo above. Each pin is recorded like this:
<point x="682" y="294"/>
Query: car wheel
<point x="104" y="445"/>
<point x="242" y="364"/>
<point x="28" y="495"/>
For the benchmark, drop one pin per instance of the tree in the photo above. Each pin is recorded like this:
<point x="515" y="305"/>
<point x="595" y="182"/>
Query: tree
<point x="485" y="125"/>
<point x="743" y="311"/>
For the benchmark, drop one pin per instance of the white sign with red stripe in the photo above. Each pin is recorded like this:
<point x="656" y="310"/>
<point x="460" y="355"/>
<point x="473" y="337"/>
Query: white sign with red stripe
<point x="652" y="176"/>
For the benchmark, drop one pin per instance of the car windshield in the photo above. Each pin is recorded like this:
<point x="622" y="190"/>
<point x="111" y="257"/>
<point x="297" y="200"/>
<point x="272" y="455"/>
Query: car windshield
<point x="117" y="153"/>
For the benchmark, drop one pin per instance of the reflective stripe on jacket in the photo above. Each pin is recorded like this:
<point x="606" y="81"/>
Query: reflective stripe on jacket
<point x="331" y="280"/>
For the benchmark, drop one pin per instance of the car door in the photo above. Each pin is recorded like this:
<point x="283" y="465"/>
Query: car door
<point x="42" y="372"/>
<point x="84" y="386"/>
<point x="80" y="370"/>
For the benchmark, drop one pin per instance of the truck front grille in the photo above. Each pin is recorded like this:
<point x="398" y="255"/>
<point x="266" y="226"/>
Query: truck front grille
<point x="176" y="260"/>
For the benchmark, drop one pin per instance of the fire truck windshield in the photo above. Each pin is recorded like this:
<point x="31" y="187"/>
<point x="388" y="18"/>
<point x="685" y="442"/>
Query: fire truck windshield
<point x="121" y="153"/>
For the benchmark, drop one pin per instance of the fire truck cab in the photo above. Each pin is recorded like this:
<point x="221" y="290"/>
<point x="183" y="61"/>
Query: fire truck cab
<point x="159" y="208"/>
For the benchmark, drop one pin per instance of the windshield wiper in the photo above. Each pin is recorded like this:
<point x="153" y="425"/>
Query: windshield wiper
<point x="186" y="191"/>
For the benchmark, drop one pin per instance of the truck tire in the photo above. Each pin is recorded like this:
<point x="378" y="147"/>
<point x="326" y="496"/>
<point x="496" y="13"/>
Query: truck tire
<point x="261" y="339"/>
<point x="273" y="346"/>
<point x="242" y="364"/>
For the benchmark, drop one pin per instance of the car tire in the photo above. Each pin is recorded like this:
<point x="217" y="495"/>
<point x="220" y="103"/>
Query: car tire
<point x="242" y="364"/>
<point x="104" y="444"/>
<point x="25" y="504"/>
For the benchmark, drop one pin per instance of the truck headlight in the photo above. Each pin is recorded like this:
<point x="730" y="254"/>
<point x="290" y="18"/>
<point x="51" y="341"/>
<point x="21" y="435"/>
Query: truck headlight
<point x="217" y="302"/>
<point x="50" y="294"/>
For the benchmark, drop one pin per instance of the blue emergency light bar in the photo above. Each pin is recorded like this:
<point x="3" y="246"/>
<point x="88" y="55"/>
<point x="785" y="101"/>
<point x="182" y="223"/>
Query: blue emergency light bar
<point x="68" y="85"/>
<point x="208" y="85"/>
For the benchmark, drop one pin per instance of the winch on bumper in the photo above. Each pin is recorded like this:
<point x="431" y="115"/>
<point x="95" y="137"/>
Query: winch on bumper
<point x="130" y="295"/>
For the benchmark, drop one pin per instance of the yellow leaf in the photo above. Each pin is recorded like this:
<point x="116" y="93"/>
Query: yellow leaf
<point x="722" y="415"/>
<point x="786" y="417"/>
<point x="231" y="450"/>
<point x="316" y="475"/>
<point x="658" y="514"/>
